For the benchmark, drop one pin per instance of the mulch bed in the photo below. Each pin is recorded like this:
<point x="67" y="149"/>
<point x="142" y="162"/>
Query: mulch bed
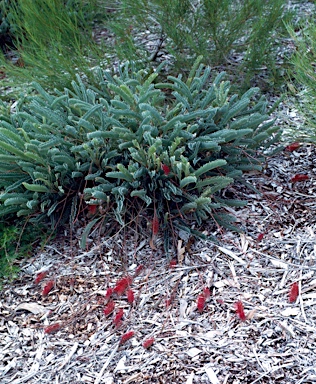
<point x="274" y="343"/>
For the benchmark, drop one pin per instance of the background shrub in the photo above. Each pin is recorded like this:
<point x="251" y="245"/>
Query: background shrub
<point x="56" y="39"/>
<point x="53" y="40"/>
<point x="238" y="36"/>
<point x="133" y="146"/>
<point x="303" y="78"/>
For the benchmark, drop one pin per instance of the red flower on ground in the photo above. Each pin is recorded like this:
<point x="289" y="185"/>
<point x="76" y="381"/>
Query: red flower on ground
<point x="40" y="276"/>
<point x="200" y="303"/>
<point x="294" y="291"/>
<point x="52" y="328"/>
<point x="130" y="296"/>
<point x="118" y="317"/>
<point x="126" y="336"/>
<point x="109" y="308"/>
<point x="292" y="147"/>
<point x="240" y="310"/>
<point x="48" y="287"/>
<point x="108" y="293"/>
<point x="148" y="342"/>
<point x="122" y="285"/>
<point x="260" y="236"/>
<point x="299" y="177"/>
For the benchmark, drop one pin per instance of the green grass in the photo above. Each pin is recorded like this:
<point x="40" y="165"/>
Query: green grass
<point x="16" y="242"/>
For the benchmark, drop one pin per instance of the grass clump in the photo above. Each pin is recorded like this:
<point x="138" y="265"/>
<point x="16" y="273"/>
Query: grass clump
<point x="53" y="41"/>
<point x="15" y="242"/>
<point x="134" y="145"/>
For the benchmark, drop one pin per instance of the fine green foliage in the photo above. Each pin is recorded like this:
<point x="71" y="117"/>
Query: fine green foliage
<point x="15" y="243"/>
<point x="303" y="73"/>
<point x="53" y="41"/>
<point x="134" y="145"/>
<point x="221" y="31"/>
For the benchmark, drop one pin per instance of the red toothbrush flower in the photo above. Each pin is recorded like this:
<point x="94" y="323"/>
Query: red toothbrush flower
<point x="294" y="291"/>
<point x="240" y="310"/>
<point x="48" y="287"/>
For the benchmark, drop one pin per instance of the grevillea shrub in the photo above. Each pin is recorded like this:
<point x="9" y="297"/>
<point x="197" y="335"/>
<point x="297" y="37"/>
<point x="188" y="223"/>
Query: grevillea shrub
<point x="132" y="145"/>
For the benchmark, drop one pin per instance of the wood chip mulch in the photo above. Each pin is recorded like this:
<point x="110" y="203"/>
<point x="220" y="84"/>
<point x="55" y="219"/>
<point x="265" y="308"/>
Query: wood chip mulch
<point x="272" y="341"/>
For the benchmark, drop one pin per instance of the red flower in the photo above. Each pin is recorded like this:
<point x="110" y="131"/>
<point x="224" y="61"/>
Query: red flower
<point x="240" y="310"/>
<point x="260" y="237"/>
<point x="165" y="169"/>
<point x="206" y="292"/>
<point x="92" y="208"/>
<point x="126" y="336"/>
<point x="48" y="287"/>
<point x="39" y="277"/>
<point x="293" y="293"/>
<point x="155" y="225"/>
<point x="292" y="147"/>
<point x="173" y="263"/>
<point x="148" y="342"/>
<point x="138" y="270"/>
<point x="299" y="177"/>
<point x="108" y="293"/>
<point x="122" y="284"/>
<point x="118" y="317"/>
<point x="109" y="308"/>
<point x="200" y="303"/>
<point x="52" y="328"/>
<point x="130" y="296"/>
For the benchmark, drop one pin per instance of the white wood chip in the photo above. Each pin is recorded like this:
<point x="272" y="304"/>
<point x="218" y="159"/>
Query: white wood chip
<point x="32" y="307"/>
<point x="232" y="255"/>
<point x="192" y="352"/>
<point x="190" y="378"/>
<point x="211" y="374"/>
<point x="290" y="311"/>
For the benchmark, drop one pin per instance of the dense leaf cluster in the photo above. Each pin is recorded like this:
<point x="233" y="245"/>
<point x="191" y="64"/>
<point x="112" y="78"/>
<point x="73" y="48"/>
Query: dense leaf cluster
<point x="130" y="145"/>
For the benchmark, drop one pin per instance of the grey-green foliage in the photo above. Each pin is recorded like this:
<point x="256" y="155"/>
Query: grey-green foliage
<point x="134" y="143"/>
<point x="219" y="30"/>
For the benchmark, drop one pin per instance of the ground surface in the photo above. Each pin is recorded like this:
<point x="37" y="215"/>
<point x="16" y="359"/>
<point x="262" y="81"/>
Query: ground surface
<point x="275" y="344"/>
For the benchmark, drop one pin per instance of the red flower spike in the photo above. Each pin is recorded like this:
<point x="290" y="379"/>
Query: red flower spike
<point x="200" y="303"/>
<point x="173" y="264"/>
<point x="155" y="225"/>
<point x="126" y="336"/>
<point x="108" y="293"/>
<point x="40" y="276"/>
<point x="293" y="293"/>
<point x="240" y="310"/>
<point x="92" y="208"/>
<point x="130" y="296"/>
<point x="206" y="292"/>
<point x="299" y="177"/>
<point x="52" y="328"/>
<point x="148" y="342"/>
<point x="109" y="308"/>
<point x="138" y="270"/>
<point x="260" y="237"/>
<point x="118" y="317"/>
<point x="48" y="287"/>
<point x="122" y="285"/>
<point x="165" y="169"/>
<point x="292" y="147"/>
